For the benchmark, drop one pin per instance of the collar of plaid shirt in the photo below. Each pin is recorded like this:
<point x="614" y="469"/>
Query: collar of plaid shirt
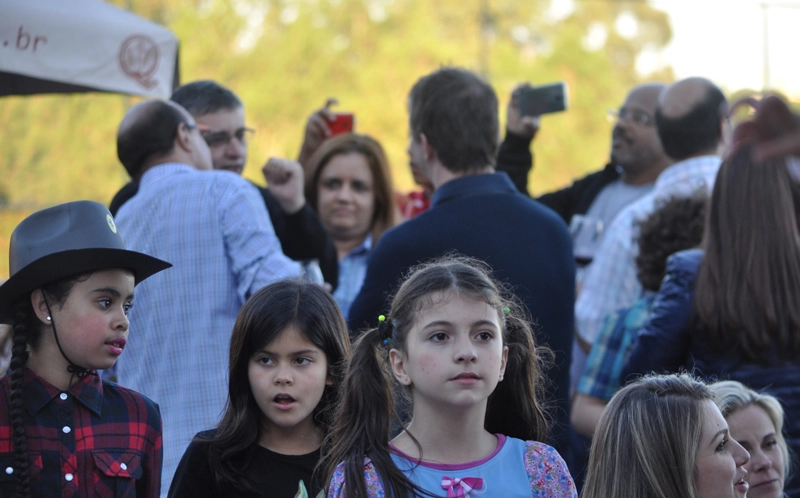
<point x="37" y="392"/>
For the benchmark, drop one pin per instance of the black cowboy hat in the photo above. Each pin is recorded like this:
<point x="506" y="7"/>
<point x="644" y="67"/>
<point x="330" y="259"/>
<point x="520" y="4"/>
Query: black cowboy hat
<point x="68" y="239"/>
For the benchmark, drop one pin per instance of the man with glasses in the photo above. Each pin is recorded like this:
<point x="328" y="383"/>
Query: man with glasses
<point x="590" y="203"/>
<point x="213" y="228"/>
<point x="221" y="122"/>
<point x="690" y="121"/>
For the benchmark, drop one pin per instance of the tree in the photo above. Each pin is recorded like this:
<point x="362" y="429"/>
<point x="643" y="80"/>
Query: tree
<point x="285" y="57"/>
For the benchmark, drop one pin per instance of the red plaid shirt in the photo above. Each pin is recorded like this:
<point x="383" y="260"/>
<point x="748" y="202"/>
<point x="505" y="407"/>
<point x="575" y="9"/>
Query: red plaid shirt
<point x="97" y="439"/>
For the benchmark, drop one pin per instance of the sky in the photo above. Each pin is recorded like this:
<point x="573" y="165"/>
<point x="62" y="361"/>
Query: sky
<point x="724" y="41"/>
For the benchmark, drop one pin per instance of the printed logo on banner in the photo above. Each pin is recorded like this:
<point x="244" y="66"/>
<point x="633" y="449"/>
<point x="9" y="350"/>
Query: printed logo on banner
<point x="138" y="58"/>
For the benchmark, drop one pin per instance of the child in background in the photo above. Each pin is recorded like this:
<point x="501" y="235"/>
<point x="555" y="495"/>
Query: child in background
<point x="63" y="431"/>
<point x="450" y="339"/>
<point x="287" y="355"/>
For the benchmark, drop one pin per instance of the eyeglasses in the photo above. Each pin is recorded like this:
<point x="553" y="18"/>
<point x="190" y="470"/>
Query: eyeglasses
<point x="218" y="138"/>
<point x="638" y="117"/>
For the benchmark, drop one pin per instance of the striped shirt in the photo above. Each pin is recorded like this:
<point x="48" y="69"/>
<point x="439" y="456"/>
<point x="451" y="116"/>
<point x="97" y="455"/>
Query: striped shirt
<point x="213" y="227"/>
<point x="610" y="282"/>
<point x="95" y="439"/>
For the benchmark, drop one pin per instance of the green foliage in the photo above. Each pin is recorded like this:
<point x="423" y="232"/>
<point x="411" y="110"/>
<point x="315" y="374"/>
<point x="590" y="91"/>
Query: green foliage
<point x="285" y="57"/>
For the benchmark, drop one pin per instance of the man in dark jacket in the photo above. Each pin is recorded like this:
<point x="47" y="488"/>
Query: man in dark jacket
<point x="478" y="212"/>
<point x="637" y="159"/>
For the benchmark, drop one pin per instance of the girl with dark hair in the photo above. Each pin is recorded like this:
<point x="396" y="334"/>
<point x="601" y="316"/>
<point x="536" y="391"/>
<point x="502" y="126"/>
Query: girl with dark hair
<point x="349" y="184"/>
<point x="732" y="309"/>
<point x="63" y="430"/>
<point x="287" y="355"/>
<point x="448" y="343"/>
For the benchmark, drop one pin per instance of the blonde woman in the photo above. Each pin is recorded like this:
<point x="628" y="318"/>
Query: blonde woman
<point x="664" y="437"/>
<point x="756" y="422"/>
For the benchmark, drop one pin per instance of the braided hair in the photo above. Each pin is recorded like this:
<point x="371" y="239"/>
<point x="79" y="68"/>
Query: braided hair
<point x="27" y="331"/>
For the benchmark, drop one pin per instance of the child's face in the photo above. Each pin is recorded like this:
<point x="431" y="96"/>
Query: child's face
<point x="288" y="378"/>
<point x="454" y="354"/>
<point x="92" y="325"/>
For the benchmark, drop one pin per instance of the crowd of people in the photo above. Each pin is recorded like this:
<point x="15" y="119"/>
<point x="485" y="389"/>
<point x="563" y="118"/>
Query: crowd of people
<point x="636" y="334"/>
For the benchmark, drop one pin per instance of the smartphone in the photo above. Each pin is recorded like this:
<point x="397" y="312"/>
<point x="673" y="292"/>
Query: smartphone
<point x="342" y="122"/>
<point x="544" y="99"/>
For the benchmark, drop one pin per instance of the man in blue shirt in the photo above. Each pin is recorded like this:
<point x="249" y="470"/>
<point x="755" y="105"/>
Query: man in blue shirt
<point x="213" y="227"/>
<point x="479" y="213"/>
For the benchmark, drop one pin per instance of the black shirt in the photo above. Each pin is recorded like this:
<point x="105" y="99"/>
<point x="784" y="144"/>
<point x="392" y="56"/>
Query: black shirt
<point x="273" y="475"/>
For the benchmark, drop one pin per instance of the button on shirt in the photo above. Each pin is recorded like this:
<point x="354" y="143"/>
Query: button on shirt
<point x="213" y="227"/>
<point x="352" y="270"/>
<point x="610" y="282"/>
<point x="97" y="439"/>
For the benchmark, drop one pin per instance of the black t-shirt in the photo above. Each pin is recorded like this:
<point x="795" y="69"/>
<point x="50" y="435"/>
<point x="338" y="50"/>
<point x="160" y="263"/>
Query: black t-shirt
<point x="273" y="475"/>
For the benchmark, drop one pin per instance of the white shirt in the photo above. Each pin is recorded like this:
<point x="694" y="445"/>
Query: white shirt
<point x="610" y="282"/>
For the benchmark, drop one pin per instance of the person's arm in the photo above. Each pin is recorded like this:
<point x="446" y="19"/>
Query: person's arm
<point x="285" y="180"/>
<point x="586" y="413"/>
<point x="194" y="477"/>
<point x="663" y="343"/>
<point x="302" y="235"/>
<point x="775" y="127"/>
<point x="316" y="132"/>
<point x="254" y="252"/>
<point x="547" y="472"/>
<point x="514" y="156"/>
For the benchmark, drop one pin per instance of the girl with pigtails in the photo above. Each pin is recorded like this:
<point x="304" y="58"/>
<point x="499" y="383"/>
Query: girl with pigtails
<point x="63" y="430"/>
<point x="463" y="354"/>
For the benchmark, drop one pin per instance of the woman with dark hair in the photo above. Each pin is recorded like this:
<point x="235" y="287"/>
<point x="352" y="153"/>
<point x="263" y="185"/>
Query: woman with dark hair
<point x="349" y="183"/>
<point x="732" y="310"/>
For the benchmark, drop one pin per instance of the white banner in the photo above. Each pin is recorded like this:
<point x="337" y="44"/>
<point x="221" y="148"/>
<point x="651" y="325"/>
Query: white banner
<point x="88" y="43"/>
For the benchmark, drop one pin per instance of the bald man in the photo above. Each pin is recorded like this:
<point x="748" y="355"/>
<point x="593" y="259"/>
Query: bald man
<point x="689" y="119"/>
<point x="213" y="227"/>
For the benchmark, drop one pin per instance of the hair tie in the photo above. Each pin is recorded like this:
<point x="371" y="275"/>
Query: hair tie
<point x="385" y="329"/>
<point x="506" y="310"/>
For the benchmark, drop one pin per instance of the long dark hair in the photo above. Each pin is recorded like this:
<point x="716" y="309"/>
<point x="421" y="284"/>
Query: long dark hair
<point x="365" y="413"/>
<point x="28" y="332"/>
<point x="267" y="313"/>
<point x="748" y="286"/>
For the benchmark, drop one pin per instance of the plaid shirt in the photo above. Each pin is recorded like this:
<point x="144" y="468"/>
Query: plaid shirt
<point x="602" y="374"/>
<point x="96" y="439"/>
<point x="610" y="282"/>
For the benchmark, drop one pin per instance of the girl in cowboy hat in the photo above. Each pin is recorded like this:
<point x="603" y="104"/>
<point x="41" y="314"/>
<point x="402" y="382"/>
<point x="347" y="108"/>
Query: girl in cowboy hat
<point x="63" y="430"/>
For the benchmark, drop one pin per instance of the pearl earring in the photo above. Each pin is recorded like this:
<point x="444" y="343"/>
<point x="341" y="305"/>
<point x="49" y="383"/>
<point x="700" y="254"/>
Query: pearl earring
<point x="48" y="318"/>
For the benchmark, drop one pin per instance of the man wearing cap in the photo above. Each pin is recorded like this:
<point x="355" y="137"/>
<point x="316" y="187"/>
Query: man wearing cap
<point x="213" y="227"/>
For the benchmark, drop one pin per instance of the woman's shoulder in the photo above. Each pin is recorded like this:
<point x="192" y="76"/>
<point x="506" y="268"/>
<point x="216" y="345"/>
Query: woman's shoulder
<point x="371" y="480"/>
<point x="547" y="472"/>
<point x="687" y="260"/>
